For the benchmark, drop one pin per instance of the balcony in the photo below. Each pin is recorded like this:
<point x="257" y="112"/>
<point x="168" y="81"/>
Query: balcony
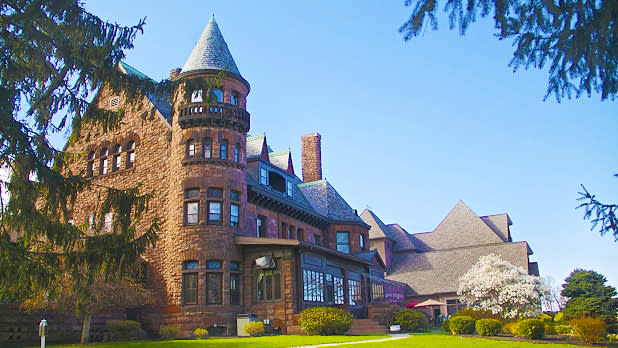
<point x="214" y="115"/>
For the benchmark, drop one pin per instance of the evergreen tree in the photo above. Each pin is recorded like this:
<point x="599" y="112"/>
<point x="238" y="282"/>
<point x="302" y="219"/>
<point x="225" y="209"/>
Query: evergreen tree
<point x="577" y="39"/>
<point x="589" y="296"/>
<point x="54" y="57"/>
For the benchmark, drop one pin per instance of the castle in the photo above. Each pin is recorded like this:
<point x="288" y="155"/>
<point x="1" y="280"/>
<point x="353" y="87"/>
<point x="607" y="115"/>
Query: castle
<point x="241" y="233"/>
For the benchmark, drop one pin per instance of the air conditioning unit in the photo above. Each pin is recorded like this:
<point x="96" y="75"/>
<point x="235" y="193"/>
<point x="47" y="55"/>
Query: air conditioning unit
<point x="265" y="262"/>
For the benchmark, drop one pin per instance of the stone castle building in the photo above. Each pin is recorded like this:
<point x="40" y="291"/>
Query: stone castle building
<point x="240" y="232"/>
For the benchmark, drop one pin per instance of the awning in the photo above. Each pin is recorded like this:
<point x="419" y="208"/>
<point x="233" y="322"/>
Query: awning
<point x="430" y="303"/>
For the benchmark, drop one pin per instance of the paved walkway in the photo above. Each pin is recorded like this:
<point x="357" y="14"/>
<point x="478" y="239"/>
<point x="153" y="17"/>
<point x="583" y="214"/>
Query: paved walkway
<point x="393" y="337"/>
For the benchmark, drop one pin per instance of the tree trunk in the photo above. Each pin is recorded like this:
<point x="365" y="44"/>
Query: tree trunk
<point x="86" y="328"/>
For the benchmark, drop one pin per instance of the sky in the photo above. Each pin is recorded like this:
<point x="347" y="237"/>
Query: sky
<point x="408" y="128"/>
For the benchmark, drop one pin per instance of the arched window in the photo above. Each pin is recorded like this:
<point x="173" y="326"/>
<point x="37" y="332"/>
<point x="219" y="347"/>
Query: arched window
<point x="130" y="154"/>
<point x="236" y="153"/>
<point x="117" y="158"/>
<point x="104" y="153"/>
<point x="223" y="150"/>
<point x="207" y="148"/>
<point x="90" y="168"/>
<point x="190" y="153"/>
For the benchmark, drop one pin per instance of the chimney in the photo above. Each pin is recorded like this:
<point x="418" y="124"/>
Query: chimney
<point x="312" y="157"/>
<point x="174" y="73"/>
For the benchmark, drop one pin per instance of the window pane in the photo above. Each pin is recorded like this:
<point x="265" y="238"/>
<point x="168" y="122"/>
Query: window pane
<point x="260" y="286"/>
<point x="223" y="150"/>
<point x="131" y="159"/>
<point x="338" y="282"/>
<point x="213" y="264"/>
<point x="277" y="284"/>
<point x="191" y="209"/>
<point x="196" y="96"/>
<point x="235" y="288"/>
<point x="234" y="99"/>
<point x="290" y="189"/>
<point x="234" y="266"/>
<point x="263" y="176"/>
<point x="218" y="95"/>
<point x="235" y="195"/>
<point x="192" y="192"/>
<point x="214" y="283"/>
<point x="214" y="192"/>
<point x="190" y="149"/>
<point x="189" y="265"/>
<point x="354" y="291"/>
<point x="207" y="148"/>
<point x="234" y="215"/>
<point x="189" y="285"/>
<point x="214" y="211"/>
<point x="343" y="242"/>
<point x="268" y="279"/>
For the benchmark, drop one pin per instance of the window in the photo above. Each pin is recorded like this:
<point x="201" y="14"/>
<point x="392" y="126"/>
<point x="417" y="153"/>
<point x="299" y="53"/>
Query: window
<point x="207" y="148"/>
<point x="343" y="242"/>
<point x="190" y="148"/>
<point x="130" y="154"/>
<point x="453" y="306"/>
<point x="277" y="182"/>
<point x="263" y="176"/>
<point x="290" y="189"/>
<point x="117" y="158"/>
<point x="196" y="96"/>
<point x="361" y="242"/>
<point x="316" y="239"/>
<point x="214" y="285"/>
<point x="234" y="98"/>
<point x="213" y="192"/>
<point x="189" y="288"/>
<point x="103" y="169"/>
<point x="261" y="226"/>
<point x="313" y="283"/>
<point x="108" y="219"/>
<point x="189" y="265"/>
<point x="235" y="195"/>
<point x="213" y="264"/>
<point x="291" y="234"/>
<point x="236" y="147"/>
<point x="223" y="150"/>
<point x="377" y="291"/>
<point x="192" y="207"/>
<point x="234" y="288"/>
<point x="354" y="291"/>
<point x="114" y="102"/>
<point x="300" y="234"/>
<point x="268" y="285"/>
<point x="234" y="208"/>
<point x="91" y="218"/>
<point x="284" y="230"/>
<point x="234" y="266"/>
<point x="218" y="94"/>
<point x="214" y="213"/>
<point x="334" y="289"/>
<point x="90" y="167"/>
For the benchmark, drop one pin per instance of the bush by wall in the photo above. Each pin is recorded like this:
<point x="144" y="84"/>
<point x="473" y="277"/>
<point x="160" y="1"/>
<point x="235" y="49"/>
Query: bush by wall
<point x="559" y="317"/>
<point x="511" y="328"/>
<point x="200" y="333"/>
<point x="254" y="328"/>
<point x="488" y="327"/>
<point x="410" y="320"/>
<point x="462" y="324"/>
<point x="169" y="333"/>
<point x="589" y="329"/>
<point x="563" y="329"/>
<point x="123" y="329"/>
<point x="531" y="329"/>
<point x="325" y="321"/>
<point x="477" y="314"/>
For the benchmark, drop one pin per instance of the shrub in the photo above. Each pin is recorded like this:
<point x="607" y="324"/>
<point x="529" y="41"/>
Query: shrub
<point x="254" y="328"/>
<point x="550" y="328"/>
<point x="563" y="329"/>
<point x="589" y="329"/>
<point x="410" y="320"/>
<point x="123" y="329"/>
<point x="169" y="333"/>
<point x="476" y="314"/>
<point x="462" y="324"/>
<point x="531" y="329"/>
<point x="545" y="317"/>
<point x="612" y="338"/>
<point x="325" y="321"/>
<point x="200" y="333"/>
<point x="488" y="327"/>
<point x="444" y="327"/>
<point x="559" y="317"/>
<point x="511" y="328"/>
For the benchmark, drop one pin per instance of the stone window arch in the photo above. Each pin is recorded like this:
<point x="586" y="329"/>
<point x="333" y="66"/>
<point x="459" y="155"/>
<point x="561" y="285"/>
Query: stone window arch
<point x="103" y="160"/>
<point x="130" y="148"/>
<point x="117" y="158"/>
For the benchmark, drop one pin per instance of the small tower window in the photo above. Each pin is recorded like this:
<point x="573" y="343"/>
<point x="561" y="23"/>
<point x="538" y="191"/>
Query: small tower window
<point x="130" y="154"/>
<point x="207" y="148"/>
<point x="218" y="94"/>
<point x="234" y="98"/>
<point x="236" y="153"/>
<point x="104" y="153"/>
<point x="117" y="158"/>
<point x="190" y="148"/>
<point x="196" y="96"/>
<point x="234" y="209"/>
<point x="114" y="102"/>
<point x="223" y="150"/>
<point x="90" y="168"/>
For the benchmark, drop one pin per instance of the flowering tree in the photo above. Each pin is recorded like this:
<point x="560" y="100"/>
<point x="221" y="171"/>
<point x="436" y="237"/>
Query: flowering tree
<point x="495" y="285"/>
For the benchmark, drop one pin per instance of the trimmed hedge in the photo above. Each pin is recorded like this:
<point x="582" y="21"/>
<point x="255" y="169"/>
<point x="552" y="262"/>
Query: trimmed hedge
<point x="254" y="328"/>
<point x="476" y="314"/>
<point x="123" y="329"/>
<point x="169" y="333"/>
<point x="531" y="329"/>
<point x="589" y="329"/>
<point x="325" y="321"/>
<point x="511" y="328"/>
<point x="488" y="327"/>
<point x="563" y="329"/>
<point x="462" y="324"/>
<point x="410" y="320"/>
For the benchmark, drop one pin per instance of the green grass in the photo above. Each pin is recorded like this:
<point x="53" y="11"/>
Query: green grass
<point x="432" y="340"/>
<point x="253" y="342"/>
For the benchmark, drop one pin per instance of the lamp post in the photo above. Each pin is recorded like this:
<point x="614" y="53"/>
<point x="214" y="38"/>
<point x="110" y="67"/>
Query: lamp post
<point x="43" y="331"/>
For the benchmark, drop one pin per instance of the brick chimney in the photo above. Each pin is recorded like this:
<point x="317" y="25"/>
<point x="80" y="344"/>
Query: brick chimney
<point x="312" y="157"/>
<point x="174" y="73"/>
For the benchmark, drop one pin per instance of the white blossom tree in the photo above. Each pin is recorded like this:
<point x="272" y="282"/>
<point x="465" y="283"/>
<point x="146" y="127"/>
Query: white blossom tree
<point x="495" y="285"/>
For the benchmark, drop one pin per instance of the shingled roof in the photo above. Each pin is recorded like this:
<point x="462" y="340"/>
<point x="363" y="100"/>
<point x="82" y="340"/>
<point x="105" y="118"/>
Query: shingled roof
<point x="282" y="159"/>
<point x="401" y="237"/>
<point x="328" y="202"/>
<point x="161" y="104"/>
<point x="211" y="52"/>
<point x="436" y="272"/>
<point x="377" y="228"/>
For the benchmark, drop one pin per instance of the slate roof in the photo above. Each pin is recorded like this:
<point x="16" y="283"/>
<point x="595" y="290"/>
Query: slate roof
<point x="254" y="145"/>
<point x="439" y="271"/>
<point x="211" y="52"/>
<point x="280" y="159"/>
<point x="328" y="202"/>
<point x="161" y="104"/>
<point x="377" y="228"/>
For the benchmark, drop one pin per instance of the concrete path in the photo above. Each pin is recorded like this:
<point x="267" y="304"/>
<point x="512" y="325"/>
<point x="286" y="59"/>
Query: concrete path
<point x="393" y="337"/>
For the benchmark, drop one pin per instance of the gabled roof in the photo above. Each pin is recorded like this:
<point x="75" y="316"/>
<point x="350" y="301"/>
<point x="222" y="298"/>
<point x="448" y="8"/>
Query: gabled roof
<point x="378" y="228"/>
<point x="435" y="272"/>
<point x="460" y="228"/>
<point x="161" y="104"/>
<point x="328" y="202"/>
<point x="371" y="255"/>
<point x="257" y="146"/>
<point x="499" y="224"/>
<point x="283" y="160"/>
<point x="211" y="52"/>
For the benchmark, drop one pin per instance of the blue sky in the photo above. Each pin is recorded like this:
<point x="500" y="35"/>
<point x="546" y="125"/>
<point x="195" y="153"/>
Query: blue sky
<point x="408" y="128"/>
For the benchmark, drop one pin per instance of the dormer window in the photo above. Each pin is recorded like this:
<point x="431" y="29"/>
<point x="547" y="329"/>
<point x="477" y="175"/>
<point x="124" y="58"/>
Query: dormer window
<point x="196" y="96"/>
<point x="277" y="182"/>
<point x="263" y="176"/>
<point x="290" y="189"/>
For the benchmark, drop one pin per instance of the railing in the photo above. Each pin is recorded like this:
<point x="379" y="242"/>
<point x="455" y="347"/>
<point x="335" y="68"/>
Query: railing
<point x="222" y="115"/>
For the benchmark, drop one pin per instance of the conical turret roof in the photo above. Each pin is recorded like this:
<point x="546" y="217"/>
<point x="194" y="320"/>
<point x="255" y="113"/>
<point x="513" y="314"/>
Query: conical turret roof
<point x="211" y="52"/>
